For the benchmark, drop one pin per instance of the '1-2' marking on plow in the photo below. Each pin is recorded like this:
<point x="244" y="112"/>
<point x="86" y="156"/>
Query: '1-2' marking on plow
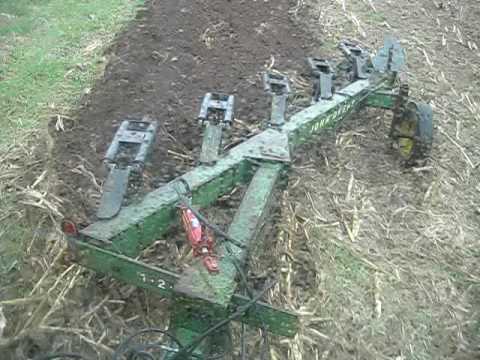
<point x="160" y="283"/>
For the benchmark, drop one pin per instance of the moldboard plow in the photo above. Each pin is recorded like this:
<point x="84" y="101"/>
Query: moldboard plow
<point x="214" y="291"/>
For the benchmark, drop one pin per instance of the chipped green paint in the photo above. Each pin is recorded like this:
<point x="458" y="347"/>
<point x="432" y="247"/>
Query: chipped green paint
<point x="162" y="282"/>
<point x="124" y="268"/>
<point x="201" y="299"/>
<point x="381" y="99"/>
<point x="138" y="225"/>
<point x="325" y="114"/>
<point x="196" y="282"/>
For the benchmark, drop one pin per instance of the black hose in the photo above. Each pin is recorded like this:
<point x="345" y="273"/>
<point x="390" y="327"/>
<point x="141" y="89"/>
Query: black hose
<point x="62" y="356"/>
<point x="239" y="312"/>
<point x="243" y="278"/>
<point x="211" y="226"/>
<point x="127" y="346"/>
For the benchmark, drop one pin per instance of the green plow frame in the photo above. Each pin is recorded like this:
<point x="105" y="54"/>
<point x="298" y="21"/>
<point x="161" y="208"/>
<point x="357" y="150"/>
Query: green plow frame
<point x="200" y="300"/>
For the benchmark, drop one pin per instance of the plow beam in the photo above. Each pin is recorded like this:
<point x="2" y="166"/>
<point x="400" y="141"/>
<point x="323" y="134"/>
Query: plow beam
<point x="163" y="282"/>
<point x="201" y="301"/>
<point x="382" y="99"/>
<point x="196" y="282"/>
<point x="138" y="225"/>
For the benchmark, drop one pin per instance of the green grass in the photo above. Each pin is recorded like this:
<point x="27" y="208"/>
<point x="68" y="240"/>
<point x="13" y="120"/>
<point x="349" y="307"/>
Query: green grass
<point x="49" y="52"/>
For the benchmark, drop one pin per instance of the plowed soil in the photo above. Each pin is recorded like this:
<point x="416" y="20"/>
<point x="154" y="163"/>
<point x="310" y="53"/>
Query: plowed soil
<point x="161" y="67"/>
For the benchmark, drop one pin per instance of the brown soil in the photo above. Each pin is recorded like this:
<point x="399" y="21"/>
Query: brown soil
<point x="162" y="66"/>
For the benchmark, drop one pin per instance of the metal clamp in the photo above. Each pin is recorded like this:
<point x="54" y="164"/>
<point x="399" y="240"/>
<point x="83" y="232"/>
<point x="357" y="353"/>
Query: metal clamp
<point x="323" y="76"/>
<point x="216" y="113"/>
<point x="357" y="56"/>
<point x="126" y="153"/>
<point x="217" y="109"/>
<point x="278" y="86"/>
<point x="131" y="144"/>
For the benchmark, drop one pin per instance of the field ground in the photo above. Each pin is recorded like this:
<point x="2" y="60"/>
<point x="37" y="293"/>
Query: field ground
<point x="379" y="260"/>
<point x="392" y="253"/>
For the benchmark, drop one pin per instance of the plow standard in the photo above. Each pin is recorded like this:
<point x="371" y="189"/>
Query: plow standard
<point x="213" y="290"/>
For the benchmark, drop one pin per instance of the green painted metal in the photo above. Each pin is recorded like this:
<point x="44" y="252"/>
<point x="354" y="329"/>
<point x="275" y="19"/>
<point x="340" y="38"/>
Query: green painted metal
<point x="201" y="300"/>
<point x="191" y="318"/>
<point x="186" y="336"/>
<point x="381" y="99"/>
<point x="162" y="282"/>
<point x="212" y="141"/>
<point x="196" y="282"/>
<point x="125" y="268"/>
<point x="279" y="322"/>
<point x="138" y="225"/>
<point x="325" y="114"/>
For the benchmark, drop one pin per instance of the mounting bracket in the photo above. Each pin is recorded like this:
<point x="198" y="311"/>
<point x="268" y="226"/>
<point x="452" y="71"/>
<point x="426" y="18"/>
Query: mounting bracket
<point x="358" y="57"/>
<point x="278" y="86"/>
<point x="216" y="113"/>
<point x="323" y="79"/>
<point x="217" y="109"/>
<point x="126" y="153"/>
